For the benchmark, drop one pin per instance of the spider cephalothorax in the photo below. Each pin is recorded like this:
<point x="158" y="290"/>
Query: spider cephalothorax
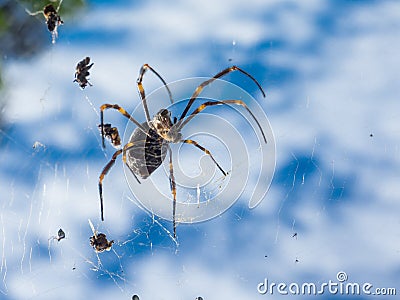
<point x="149" y="143"/>
<point x="164" y="127"/>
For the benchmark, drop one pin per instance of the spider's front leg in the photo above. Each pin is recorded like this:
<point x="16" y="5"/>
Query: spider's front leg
<point x="142" y="94"/>
<point x="209" y="81"/>
<point x="182" y="123"/>
<point x="121" y="111"/>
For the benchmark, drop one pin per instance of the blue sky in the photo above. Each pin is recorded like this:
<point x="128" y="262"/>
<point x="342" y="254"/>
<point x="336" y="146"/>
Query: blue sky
<point x="330" y="71"/>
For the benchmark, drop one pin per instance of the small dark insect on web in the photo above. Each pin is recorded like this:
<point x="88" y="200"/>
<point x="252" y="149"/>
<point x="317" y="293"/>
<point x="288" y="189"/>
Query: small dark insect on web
<point x="99" y="241"/>
<point x="111" y="133"/>
<point x="82" y="72"/>
<point x="53" y="19"/>
<point x="60" y="235"/>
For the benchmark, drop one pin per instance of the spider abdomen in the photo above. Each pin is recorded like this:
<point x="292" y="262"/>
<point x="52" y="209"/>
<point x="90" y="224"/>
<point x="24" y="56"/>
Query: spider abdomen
<point x="147" y="152"/>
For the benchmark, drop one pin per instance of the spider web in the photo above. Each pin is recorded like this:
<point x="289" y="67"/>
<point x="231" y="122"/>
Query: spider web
<point x="330" y="78"/>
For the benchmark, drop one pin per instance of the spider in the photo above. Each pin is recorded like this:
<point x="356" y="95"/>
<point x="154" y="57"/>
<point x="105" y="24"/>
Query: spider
<point x="149" y="143"/>
<point x="82" y="71"/>
<point x="53" y="19"/>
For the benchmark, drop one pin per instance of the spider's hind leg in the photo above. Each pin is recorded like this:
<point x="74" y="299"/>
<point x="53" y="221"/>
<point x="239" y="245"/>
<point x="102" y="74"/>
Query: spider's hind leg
<point x="173" y="190"/>
<point x="101" y="178"/>
<point x="107" y="168"/>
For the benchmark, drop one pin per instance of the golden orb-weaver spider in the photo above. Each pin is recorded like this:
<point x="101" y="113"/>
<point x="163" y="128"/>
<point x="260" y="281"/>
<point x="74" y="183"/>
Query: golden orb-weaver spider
<point x="149" y="142"/>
